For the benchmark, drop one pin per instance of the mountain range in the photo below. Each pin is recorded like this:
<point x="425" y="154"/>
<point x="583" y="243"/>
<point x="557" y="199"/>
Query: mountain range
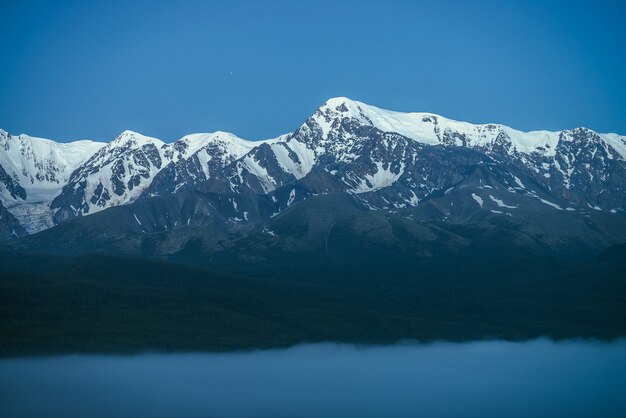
<point x="362" y="225"/>
<point x="417" y="166"/>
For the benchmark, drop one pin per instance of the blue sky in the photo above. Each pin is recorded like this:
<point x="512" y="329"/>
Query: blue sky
<point x="87" y="69"/>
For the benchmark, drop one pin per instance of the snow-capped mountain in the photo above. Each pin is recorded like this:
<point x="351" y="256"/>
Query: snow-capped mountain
<point x="114" y="175"/>
<point x="34" y="170"/>
<point x="394" y="159"/>
<point x="43" y="182"/>
<point x="122" y="170"/>
<point x="385" y="160"/>
<point x="206" y="154"/>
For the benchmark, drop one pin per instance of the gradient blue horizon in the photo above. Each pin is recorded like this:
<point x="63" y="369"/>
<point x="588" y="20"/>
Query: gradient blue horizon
<point x="82" y="69"/>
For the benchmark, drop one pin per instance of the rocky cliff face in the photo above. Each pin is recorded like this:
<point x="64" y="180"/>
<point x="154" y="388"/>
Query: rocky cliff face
<point x="10" y="228"/>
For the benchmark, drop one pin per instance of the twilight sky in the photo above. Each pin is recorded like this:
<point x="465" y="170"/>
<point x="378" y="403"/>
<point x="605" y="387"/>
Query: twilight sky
<point x="87" y="69"/>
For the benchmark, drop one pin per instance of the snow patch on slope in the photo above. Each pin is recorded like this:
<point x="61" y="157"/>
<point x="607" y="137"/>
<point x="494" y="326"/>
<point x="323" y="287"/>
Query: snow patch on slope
<point x="382" y="177"/>
<point x="617" y="142"/>
<point x="478" y="199"/>
<point x="500" y="203"/>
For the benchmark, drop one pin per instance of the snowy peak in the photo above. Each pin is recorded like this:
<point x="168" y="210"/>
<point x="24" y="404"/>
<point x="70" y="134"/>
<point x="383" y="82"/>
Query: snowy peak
<point x="115" y="175"/>
<point x="422" y="127"/>
<point x="385" y="157"/>
<point x="367" y="150"/>
<point x="331" y="114"/>
<point x="131" y="139"/>
<point x="215" y="150"/>
<point x="133" y="164"/>
<point x="194" y="143"/>
<point x="35" y="169"/>
<point x="343" y="107"/>
<point x="194" y="158"/>
<point x="432" y="129"/>
<point x="614" y="145"/>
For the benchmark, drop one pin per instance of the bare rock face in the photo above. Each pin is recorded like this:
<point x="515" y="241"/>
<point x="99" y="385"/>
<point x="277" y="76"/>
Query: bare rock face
<point x="10" y="228"/>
